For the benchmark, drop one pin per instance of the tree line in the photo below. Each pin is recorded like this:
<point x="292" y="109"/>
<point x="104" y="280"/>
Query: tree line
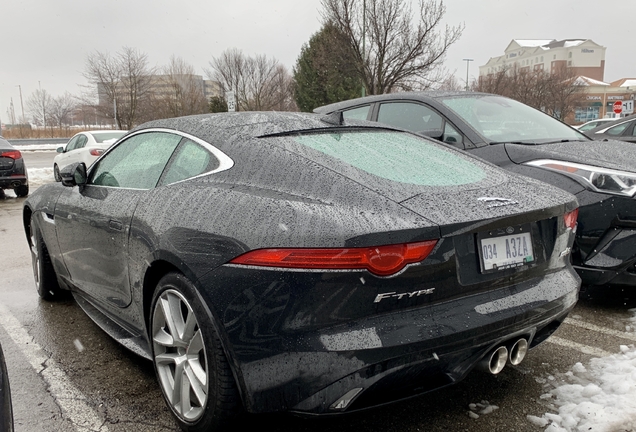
<point x="363" y="47"/>
<point x="386" y="46"/>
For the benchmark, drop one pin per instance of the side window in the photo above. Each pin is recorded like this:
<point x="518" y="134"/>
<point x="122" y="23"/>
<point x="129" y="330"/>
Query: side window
<point x="617" y="130"/>
<point x="72" y="144"/>
<point x="359" y="113"/>
<point x="190" y="160"/>
<point x="81" y="142"/>
<point x="452" y="136"/>
<point x="136" y="163"/>
<point x="411" y="116"/>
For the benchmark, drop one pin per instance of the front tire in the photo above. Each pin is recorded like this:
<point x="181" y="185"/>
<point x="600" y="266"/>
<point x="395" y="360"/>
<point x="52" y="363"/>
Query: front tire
<point x="190" y="364"/>
<point x="43" y="272"/>
<point x="56" y="173"/>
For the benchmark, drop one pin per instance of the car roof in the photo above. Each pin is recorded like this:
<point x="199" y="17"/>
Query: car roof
<point x="421" y="95"/>
<point x="4" y="144"/>
<point x="254" y="124"/>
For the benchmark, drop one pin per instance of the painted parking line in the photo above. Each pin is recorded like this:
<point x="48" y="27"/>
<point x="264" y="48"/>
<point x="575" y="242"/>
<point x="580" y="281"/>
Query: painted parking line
<point x="66" y="395"/>
<point x="585" y="349"/>
<point x="609" y="332"/>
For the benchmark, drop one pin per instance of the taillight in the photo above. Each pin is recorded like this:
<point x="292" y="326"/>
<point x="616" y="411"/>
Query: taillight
<point x="96" y="152"/>
<point x="570" y="218"/>
<point x="13" y="154"/>
<point x="380" y="260"/>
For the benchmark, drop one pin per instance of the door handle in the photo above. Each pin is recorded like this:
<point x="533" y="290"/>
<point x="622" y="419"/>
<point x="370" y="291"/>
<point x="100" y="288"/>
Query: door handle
<point x="115" y="225"/>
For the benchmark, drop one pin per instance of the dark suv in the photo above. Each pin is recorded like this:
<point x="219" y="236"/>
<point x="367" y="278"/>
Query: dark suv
<point x="13" y="172"/>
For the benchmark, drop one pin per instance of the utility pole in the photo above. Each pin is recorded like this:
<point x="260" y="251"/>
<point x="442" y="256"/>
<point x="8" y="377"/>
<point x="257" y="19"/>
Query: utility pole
<point x="22" y="107"/>
<point x="364" y="42"/>
<point x="467" y="60"/>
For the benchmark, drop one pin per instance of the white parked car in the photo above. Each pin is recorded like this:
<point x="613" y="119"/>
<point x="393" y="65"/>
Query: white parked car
<point x="84" y="147"/>
<point x="593" y="123"/>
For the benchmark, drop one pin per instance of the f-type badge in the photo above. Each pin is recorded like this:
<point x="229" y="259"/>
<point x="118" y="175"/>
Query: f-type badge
<point x="400" y="296"/>
<point x="496" y="201"/>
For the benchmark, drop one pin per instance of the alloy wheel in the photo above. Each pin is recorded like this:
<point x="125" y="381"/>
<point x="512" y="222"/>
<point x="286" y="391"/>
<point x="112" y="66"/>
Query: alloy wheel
<point x="180" y="355"/>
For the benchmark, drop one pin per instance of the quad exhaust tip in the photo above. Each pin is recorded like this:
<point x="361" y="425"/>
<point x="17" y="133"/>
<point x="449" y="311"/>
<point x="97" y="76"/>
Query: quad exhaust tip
<point x="495" y="362"/>
<point x="518" y="351"/>
<point x="497" y="359"/>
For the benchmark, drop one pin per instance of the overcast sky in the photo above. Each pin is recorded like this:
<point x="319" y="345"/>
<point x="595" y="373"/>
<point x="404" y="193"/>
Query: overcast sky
<point x="45" y="43"/>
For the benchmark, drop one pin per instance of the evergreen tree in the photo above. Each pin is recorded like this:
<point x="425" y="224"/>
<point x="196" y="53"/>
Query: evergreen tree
<point x="217" y="104"/>
<point x="325" y="71"/>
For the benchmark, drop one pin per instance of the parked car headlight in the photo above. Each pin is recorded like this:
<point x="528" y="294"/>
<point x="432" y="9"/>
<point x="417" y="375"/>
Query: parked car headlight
<point x="594" y="178"/>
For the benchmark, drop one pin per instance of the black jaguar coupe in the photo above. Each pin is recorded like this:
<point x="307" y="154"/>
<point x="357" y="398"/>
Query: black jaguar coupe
<point x="269" y="262"/>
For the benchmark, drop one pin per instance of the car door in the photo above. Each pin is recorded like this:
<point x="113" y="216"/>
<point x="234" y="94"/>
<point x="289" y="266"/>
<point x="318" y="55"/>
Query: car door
<point x="93" y="222"/>
<point x="64" y="158"/>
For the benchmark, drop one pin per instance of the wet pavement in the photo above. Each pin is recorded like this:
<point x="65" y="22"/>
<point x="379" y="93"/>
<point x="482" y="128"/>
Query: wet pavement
<point x="66" y="374"/>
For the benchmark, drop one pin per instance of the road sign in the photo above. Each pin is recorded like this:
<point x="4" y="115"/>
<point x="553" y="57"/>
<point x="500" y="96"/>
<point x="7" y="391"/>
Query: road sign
<point x="628" y="107"/>
<point x="231" y="101"/>
<point x="618" y="107"/>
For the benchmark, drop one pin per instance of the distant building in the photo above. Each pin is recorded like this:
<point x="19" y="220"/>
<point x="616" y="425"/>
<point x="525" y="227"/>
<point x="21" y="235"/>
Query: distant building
<point x="583" y="56"/>
<point x="600" y="98"/>
<point x="162" y="85"/>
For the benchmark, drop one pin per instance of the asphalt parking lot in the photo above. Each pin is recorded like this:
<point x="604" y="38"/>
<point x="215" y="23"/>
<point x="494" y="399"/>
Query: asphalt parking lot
<point x="66" y="374"/>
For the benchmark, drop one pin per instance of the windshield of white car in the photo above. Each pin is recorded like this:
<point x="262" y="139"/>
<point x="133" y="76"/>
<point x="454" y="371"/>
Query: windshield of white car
<point x="503" y="120"/>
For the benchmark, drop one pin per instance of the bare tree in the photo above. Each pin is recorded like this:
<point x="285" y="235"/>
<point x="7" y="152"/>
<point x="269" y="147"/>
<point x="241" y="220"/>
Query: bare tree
<point x="259" y="83"/>
<point x="39" y="107"/>
<point x="557" y="93"/>
<point x="123" y="84"/>
<point x="62" y="108"/>
<point x="450" y="83"/>
<point x="282" y="91"/>
<point x="392" y="52"/>
<point x="182" y="91"/>
<point x="229" y="69"/>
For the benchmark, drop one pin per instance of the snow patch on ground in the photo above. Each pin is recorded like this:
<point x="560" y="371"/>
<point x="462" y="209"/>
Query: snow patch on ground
<point x="598" y="397"/>
<point x="40" y="176"/>
<point x="481" y="408"/>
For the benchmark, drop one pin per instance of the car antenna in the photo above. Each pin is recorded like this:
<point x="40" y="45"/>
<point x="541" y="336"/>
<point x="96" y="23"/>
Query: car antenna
<point x="335" y="118"/>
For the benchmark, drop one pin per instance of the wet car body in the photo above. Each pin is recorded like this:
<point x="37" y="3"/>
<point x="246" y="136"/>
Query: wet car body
<point x="605" y="247"/>
<point x="299" y="331"/>
<point x="13" y="172"/>
<point x="6" y="409"/>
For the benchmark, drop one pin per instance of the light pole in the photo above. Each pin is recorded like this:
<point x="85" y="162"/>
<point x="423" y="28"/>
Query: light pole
<point x="467" y="60"/>
<point x="22" y="107"/>
<point x="364" y="41"/>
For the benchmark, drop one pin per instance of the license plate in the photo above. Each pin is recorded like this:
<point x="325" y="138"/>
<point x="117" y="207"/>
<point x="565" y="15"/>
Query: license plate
<point x="507" y="251"/>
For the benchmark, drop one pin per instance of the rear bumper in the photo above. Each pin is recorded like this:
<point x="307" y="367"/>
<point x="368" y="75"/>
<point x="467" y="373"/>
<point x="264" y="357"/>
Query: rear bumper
<point x="398" y="355"/>
<point x="11" y="182"/>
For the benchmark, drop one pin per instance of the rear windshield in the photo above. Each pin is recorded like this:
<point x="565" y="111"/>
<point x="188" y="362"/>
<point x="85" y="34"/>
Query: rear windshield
<point x="101" y="137"/>
<point x="397" y="156"/>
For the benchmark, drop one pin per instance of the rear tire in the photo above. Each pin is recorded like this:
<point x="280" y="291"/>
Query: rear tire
<point x="43" y="272"/>
<point x="191" y="367"/>
<point x="22" y="191"/>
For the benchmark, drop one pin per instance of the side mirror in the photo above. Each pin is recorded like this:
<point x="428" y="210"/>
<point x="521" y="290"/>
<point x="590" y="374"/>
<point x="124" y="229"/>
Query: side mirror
<point x="60" y="150"/>
<point x="433" y="133"/>
<point x="74" y="174"/>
